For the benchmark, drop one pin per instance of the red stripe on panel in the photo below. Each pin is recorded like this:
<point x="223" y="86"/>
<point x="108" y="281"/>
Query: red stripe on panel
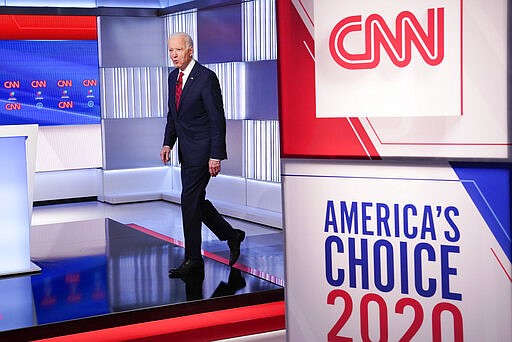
<point x="209" y="326"/>
<point x="48" y="27"/>
<point x="365" y="139"/>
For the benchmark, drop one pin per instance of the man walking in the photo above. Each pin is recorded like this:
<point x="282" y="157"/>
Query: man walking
<point x="196" y="119"/>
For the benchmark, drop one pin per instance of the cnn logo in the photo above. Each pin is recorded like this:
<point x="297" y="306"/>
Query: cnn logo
<point x="429" y="42"/>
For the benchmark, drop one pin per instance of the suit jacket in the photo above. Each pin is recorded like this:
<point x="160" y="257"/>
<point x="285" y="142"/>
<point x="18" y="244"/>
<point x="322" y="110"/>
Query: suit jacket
<point x="199" y="123"/>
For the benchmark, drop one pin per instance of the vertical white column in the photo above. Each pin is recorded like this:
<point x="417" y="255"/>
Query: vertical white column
<point x="14" y="207"/>
<point x="17" y="165"/>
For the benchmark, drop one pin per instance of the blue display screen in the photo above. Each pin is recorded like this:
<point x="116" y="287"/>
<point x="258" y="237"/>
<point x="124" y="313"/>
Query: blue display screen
<point x="49" y="82"/>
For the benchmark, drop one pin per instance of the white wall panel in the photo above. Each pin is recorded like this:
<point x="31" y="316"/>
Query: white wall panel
<point x="139" y="92"/>
<point x="259" y="25"/>
<point x="232" y="82"/>
<point x="132" y="143"/>
<point x="135" y="184"/>
<point x="131" y="41"/>
<point x="262" y="150"/>
<point x="58" y="185"/>
<point x="69" y="147"/>
<point x="264" y="195"/>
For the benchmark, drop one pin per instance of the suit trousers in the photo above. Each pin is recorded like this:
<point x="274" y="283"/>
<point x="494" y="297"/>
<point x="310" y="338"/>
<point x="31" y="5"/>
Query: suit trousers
<point x="196" y="209"/>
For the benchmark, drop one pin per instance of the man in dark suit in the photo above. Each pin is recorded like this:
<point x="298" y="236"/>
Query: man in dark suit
<point x="196" y="119"/>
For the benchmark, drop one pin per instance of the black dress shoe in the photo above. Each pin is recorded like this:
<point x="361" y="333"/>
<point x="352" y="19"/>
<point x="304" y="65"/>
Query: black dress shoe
<point x="234" y="246"/>
<point x="187" y="268"/>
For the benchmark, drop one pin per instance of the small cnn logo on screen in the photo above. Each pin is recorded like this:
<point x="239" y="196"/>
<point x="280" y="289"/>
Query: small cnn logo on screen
<point x="428" y="41"/>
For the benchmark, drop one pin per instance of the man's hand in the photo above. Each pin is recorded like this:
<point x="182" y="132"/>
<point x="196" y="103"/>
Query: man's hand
<point x="214" y="166"/>
<point x="165" y="154"/>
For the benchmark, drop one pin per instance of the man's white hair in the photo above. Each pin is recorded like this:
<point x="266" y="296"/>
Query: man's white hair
<point x="188" y="39"/>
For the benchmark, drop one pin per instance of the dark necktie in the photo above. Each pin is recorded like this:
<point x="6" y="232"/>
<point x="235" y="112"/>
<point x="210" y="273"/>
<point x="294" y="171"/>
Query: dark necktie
<point x="179" y="89"/>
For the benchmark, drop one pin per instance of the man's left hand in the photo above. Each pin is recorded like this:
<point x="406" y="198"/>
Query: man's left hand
<point x="214" y="166"/>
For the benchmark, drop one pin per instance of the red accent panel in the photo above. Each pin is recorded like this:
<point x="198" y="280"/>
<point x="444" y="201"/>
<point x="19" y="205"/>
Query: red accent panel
<point x="209" y="326"/>
<point x="48" y="27"/>
<point x="302" y="134"/>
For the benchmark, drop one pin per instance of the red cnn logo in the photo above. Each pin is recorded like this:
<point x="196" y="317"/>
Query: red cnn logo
<point x="429" y="43"/>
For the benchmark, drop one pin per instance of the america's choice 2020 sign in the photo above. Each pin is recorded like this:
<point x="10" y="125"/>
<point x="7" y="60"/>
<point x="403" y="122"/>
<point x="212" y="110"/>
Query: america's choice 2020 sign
<point x="396" y="252"/>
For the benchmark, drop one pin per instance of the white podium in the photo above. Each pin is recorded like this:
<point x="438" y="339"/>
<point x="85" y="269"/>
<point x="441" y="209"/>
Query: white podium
<point x="17" y="166"/>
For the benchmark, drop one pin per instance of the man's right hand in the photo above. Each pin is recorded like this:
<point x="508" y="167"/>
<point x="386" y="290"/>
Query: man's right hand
<point x="165" y="154"/>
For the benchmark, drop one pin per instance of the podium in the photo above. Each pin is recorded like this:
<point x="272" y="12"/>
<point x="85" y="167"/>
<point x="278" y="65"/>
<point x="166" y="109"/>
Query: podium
<point x="17" y="153"/>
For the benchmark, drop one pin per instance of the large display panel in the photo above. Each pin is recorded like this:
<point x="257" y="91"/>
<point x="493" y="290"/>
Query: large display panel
<point x="412" y="247"/>
<point x="48" y="79"/>
<point x="397" y="251"/>
<point x="372" y="79"/>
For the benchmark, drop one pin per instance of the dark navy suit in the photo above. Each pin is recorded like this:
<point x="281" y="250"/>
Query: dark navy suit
<point x="199" y="125"/>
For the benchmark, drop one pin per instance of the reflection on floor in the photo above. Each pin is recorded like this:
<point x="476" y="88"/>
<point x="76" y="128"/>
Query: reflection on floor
<point x="99" y="271"/>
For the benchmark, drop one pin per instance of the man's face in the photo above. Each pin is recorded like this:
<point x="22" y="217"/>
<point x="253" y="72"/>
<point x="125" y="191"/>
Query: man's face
<point x="179" y="53"/>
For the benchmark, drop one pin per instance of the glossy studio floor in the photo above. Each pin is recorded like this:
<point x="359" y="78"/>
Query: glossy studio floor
<point x="104" y="267"/>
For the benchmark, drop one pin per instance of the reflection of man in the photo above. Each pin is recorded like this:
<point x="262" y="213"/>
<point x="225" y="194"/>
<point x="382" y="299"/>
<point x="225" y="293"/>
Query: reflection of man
<point x="196" y="119"/>
<point x="235" y="282"/>
<point x="194" y="285"/>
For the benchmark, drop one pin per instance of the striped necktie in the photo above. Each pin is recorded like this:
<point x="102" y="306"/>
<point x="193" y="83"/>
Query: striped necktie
<point x="179" y="90"/>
